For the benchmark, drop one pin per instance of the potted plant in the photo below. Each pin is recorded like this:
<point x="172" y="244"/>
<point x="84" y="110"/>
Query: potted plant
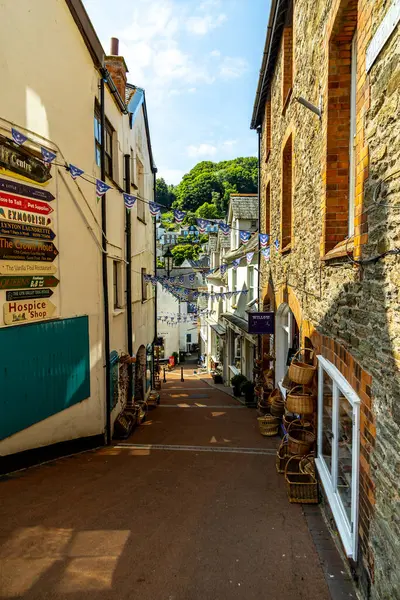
<point x="176" y="357"/>
<point x="247" y="390"/>
<point x="236" y="382"/>
<point x="217" y="377"/>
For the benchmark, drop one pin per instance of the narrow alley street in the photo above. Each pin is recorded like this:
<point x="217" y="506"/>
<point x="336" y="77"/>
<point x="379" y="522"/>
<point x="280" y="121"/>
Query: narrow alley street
<point x="190" y="507"/>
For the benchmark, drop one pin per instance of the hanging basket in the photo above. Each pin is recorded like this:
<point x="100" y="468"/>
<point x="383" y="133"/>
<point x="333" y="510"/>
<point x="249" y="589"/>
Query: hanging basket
<point x="268" y="425"/>
<point x="301" y="372"/>
<point x="302" y="423"/>
<point x="302" y="488"/>
<point x="300" y="401"/>
<point x="300" y="440"/>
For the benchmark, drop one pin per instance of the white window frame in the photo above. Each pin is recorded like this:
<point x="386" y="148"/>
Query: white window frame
<point x="250" y="282"/>
<point x="285" y="333"/>
<point x="353" y="130"/>
<point x="348" y="531"/>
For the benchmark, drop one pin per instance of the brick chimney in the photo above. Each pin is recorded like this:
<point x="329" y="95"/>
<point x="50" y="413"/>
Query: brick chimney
<point x="117" y="68"/>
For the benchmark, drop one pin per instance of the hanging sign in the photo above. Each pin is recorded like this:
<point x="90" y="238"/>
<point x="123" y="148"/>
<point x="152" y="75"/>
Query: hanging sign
<point x="36" y="206"/>
<point x="29" y="294"/>
<point x="20" y="268"/>
<point x="23" y="249"/>
<point x="382" y="34"/>
<point x="24" y="217"/>
<point x="26" y="231"/>
<point x="15" y="187"/>
<point x="22" y="312"/>
<point x="20" y="161"/>
<point x="262" y="323"/>
<point x="17" y="282"/>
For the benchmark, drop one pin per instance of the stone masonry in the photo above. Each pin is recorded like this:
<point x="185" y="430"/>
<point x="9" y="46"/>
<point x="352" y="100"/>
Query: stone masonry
<point x="349" y="310"/>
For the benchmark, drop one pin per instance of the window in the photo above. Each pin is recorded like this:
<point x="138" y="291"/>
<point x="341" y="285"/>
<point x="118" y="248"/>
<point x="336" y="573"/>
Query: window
<point x="234" y="287"/>
<point x="341" y="127"/>
<point x="189" y="337"/>
<point x="287" y="58"/>
<point x="108" y="141"/>
<point x="250" y="283"/>
<point x="338" y="450"/>
<point x="117" y="284"/>
<point x="267" y="129"/>
<point x="140" y="183"/>
<point x="287" y="175"/>
<point x="132" y="167"/>
<point x="267" y="227"/>
<point x="144" y="286"/>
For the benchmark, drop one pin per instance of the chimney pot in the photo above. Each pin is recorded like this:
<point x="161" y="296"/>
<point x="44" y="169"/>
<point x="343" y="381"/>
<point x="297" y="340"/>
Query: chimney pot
<point x="114" y="46"/>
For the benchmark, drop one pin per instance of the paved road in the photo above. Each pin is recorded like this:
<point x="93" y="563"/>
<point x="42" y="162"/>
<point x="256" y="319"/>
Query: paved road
<point x="189" y="508"/>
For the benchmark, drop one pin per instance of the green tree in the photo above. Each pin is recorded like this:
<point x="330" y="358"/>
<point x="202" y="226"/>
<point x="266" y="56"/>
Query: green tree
<point x="165" y="193"/>
<point x="185" y="251"/>
<point x="207" y="211"/>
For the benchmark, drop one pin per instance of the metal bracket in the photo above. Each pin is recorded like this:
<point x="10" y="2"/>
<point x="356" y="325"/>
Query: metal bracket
<point x="315" y="109"/>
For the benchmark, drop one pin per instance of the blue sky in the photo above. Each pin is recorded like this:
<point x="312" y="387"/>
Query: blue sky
<point x="198" y="62"/>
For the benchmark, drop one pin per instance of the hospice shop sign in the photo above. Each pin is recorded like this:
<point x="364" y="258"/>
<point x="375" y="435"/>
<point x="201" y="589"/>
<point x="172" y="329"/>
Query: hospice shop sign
<point x="22" y="312"/>
<point x="261" y="323"/>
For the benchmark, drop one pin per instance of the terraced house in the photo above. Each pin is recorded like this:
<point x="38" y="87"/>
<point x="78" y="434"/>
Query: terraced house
<point x="326" y="110"/>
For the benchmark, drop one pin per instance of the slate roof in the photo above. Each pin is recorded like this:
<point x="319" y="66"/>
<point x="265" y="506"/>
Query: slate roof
<point x="224" y="240"/>
<point x="245" y="206"/>
<point x="251" y="246"/>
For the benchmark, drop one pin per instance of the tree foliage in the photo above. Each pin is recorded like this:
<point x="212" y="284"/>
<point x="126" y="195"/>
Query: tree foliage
<point x="212" y="183"/>
<point x="185" y="251"/>
<point x="208" y="211"/>
<point x="165" y="193"/>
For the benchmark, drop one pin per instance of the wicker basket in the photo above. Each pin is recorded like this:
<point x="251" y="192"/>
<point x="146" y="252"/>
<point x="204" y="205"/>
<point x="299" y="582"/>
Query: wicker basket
<point x="300" y="440"/>
<point x="301" y="372"/>
<point x="302" y="487"/>
<point x="302" y="423"/>
<point x="300" y="401"/>
<point x="282" y="456"/>
<point x="307" y="465"/>
<point x="268" y="425"/>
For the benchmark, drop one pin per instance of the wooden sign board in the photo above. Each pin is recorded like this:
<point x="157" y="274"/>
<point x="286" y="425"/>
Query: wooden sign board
<point x="29" y="294"/>
<point x="18" y="282"/>
<point x="20" y="268"/>
<point x="26" y="231"/>
<point x="24" y="311"/>
<point x="19" y="202"/>
<point x="19" y="162"/>
<point x="15" y="187"/>
<point x="25" y="249"/>
<point x="11" y="214"/>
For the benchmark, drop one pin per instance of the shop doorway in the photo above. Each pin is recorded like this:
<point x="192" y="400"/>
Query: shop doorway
<point x="287" y="342"/>
<point x="140" y="374"/>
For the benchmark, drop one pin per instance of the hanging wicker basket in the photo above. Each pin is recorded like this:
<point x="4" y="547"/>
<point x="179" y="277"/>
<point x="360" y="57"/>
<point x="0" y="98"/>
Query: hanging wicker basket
<point x="268" y="425"/>
<point x="302" y="487"/>
<point x="301" y="372"/>
<point x="302" y="423"/>
<point x="300" y="401"/>
<point x="300" y="440"/>
<point x="282" y="456"/>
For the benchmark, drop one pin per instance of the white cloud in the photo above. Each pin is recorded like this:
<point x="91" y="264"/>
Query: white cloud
<point x="202" y="25"/>
<point x="192" y="90"/>
<point x="232" y="68"/>
<point x="171" y="175"/>
<point x="229" y="143"/>
<point x="201" y="150"/>
<point x="215" y="54"/>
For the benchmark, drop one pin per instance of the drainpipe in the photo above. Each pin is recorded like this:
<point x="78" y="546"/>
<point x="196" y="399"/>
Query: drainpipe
<point x="104" y="264"/>
<point x="259" y="229"/>
<point x="155" y="267"/>
<point x="128" y="252"/>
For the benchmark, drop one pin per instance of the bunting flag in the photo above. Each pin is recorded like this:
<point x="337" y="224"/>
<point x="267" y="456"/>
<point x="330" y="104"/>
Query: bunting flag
<point x="129" y="201"/>
<point x="276" y="244"/>
<point x="186" y="292"/>
<point x="202" y="224"/>
<point x="47" y="155"/>
<point x="75" y="171"/>
<point x="236" y="263"/>
<point x="266" y="252"/>
<point x="181" y="279"/>
<point x="249" y="257"/>
<point x="245" y="236"/>
<point x="18" y="137"/>
<point x="154" y="209"/>
<point x="101" y="188"/>
<point x="223" y="269"/>
<point x="172" y="279"/>
<point x="224" y="228"/>
<point x="192" y="277"/>
<point x="179" y="216"/>
<point x="264" y="239"/>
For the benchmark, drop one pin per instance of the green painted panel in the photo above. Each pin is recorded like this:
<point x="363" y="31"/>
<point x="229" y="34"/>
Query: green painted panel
<point x="44" y="369"/>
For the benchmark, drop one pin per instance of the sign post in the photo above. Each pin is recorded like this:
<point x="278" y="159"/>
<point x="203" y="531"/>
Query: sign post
<point x="262" y="323"/>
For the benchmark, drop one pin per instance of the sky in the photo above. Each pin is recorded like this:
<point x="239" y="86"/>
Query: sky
<point x="199" y="63"/>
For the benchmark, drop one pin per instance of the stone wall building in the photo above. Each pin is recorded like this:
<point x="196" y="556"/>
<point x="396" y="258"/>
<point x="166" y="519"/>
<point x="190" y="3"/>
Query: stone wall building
<point x="330" y="196"/>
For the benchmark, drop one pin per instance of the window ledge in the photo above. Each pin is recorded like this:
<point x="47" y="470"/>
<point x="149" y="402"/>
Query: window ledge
<point x="286" y="249"/>
<point x="118" y="311"/>
<point x="342" y="249"/>
<point x="287" y="100"/>
<point x="142" y="220"/>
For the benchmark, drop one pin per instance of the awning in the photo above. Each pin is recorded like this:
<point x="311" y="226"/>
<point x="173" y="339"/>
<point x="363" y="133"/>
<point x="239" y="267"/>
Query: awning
<point x="240" y="326"/>
<point x="219" y="329"/>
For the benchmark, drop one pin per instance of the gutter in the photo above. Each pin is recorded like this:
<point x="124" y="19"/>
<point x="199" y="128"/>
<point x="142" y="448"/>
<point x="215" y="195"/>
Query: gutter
<point x="105" y="266"/>
<point x="155" y="265"/>
<point x="259" y="342"/>
<point x="128" y="252"/>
